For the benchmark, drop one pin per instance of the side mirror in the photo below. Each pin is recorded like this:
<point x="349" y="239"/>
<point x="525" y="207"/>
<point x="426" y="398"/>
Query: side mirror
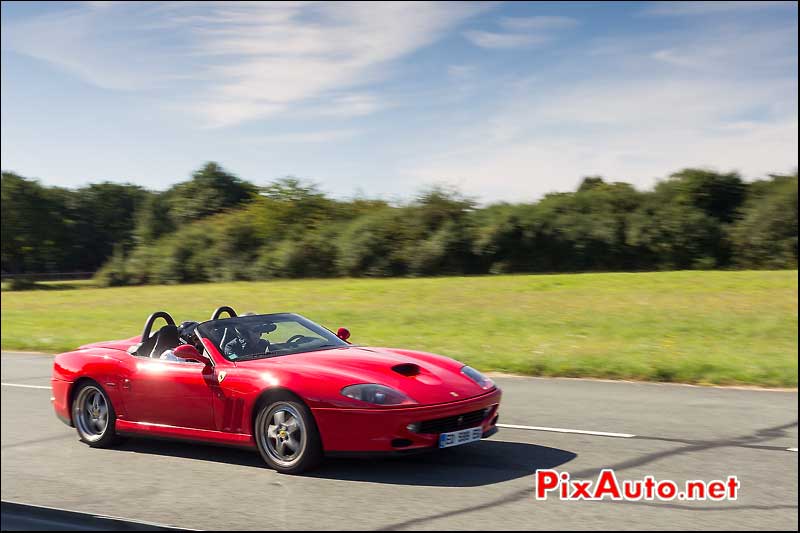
<point x="343" y="333"/>
<point x="187" y="351"/>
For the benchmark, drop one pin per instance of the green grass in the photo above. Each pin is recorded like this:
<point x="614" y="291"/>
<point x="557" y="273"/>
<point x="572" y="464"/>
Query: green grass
<point x="694" y="327"/>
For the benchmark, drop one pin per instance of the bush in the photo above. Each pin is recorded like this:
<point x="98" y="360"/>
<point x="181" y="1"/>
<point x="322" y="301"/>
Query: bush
<point x="766" y="235"/>
<point x="21" y="283"/>
<point x="309" y="257"/>
<point x="447" y="251"/>
<point x="217" y="227"/>
<point x="114" y="273"/>
<point x="374" y="245"/>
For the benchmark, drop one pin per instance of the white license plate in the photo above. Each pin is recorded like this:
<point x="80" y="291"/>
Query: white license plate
<point x="454" y="438"/>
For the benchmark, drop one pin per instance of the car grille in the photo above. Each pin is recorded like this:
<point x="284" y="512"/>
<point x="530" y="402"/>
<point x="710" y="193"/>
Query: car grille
<point x="452" y="423"/>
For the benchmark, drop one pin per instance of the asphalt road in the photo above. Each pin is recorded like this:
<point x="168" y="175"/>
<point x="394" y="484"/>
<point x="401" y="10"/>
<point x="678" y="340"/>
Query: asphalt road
<point x="681" y="433"/>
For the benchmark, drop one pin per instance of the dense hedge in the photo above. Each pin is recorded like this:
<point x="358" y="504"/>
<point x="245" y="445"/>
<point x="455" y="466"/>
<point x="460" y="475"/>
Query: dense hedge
<point x="218" y="227"/>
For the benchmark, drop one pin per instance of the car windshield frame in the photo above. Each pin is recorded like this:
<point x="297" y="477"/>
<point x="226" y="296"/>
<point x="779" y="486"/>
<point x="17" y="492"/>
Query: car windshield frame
<point x="210" y="330"/>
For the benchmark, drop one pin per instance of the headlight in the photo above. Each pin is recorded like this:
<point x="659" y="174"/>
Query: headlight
<point x="377" y="394"/>
<point x="481" y="380"/>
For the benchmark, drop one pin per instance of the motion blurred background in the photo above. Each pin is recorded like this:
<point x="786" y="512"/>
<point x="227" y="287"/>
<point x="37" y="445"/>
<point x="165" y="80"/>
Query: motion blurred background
<point x="420" y="141"/>
<point x="558" y="189"/>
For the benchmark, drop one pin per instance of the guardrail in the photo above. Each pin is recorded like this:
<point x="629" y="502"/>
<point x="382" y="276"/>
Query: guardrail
<point x="24" y="517"/>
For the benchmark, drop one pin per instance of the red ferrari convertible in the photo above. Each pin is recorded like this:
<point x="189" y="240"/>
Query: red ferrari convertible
<point x="278" y="382"/>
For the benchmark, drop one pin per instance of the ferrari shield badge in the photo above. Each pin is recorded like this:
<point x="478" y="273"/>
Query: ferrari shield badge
<point x="222" y="375"/>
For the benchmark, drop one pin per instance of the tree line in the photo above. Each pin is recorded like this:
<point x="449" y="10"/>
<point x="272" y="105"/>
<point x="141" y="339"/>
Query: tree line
<point x="218" y="227"/>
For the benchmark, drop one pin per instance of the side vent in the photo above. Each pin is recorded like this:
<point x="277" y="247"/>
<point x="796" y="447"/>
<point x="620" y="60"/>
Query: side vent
<point x="406" y="369"/>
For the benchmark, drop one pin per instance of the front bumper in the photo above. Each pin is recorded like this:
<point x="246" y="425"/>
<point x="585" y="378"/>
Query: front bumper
<point x="384" y="430"/>
<point x="60" y="399"/>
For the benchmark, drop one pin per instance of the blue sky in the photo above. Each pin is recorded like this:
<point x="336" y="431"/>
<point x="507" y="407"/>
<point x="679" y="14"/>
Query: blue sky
<point x="506" y="101"/>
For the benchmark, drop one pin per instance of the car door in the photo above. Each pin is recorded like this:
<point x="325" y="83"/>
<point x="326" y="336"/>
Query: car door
<point x="171" y="393"/>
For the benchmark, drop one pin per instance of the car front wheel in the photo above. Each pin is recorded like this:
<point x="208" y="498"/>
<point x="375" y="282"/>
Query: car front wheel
<point x="287" y="436"/>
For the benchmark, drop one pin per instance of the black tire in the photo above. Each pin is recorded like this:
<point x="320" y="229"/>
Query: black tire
<point x="307" y="451"/>
<point x="89" y="402"/>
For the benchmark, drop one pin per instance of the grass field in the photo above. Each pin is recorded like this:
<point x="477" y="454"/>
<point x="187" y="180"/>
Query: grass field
<point x="694" y="327"/>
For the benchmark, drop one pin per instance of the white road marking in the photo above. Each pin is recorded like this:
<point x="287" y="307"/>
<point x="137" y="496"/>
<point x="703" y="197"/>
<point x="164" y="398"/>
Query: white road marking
<point x="25" y="386"/>
<point x="565" y="430"/>
<point x="506" y="426"/>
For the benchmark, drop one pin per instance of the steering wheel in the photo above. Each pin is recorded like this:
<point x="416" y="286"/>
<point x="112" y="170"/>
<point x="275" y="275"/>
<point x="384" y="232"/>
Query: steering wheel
<point x="297" y="339"/>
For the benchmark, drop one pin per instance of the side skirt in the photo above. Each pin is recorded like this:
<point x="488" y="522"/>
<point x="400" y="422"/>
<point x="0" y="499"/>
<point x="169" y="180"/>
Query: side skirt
<point x="208" y="436"/>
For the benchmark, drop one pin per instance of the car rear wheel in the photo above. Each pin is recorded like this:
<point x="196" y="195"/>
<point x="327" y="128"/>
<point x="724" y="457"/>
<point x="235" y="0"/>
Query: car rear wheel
<point x="94" y="416"/>
<point x="287" y="436"/>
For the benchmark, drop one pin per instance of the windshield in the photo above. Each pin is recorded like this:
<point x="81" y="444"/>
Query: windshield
<point x="258" y="336"/>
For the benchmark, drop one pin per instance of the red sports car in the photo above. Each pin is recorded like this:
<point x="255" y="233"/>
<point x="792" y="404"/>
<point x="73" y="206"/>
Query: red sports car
<point x="277" y="382"/>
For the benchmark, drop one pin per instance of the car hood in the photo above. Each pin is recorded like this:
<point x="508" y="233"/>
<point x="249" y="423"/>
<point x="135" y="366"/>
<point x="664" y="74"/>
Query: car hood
<point x="424" y="377"/>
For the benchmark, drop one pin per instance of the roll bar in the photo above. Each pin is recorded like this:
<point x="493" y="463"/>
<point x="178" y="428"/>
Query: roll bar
<point x="152" y="318"/>
<point x="223" y="309"/>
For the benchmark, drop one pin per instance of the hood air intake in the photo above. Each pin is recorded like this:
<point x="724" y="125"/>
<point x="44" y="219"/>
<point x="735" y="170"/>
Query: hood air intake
<point x="406" y="369"/>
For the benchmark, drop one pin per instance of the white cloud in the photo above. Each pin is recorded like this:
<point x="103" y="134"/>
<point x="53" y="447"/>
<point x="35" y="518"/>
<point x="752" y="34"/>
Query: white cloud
<point x="538" y="23"/>
<point x="709" y="8"/>
<point x="240" y="61"/>
<point x="307" y="137"/>
<point x="521" y="32"/>
<point x="83" y="42"/>
<point x="489" y="39"/>
<point x="637" y="117"/>
<point x="351" y="105"/>
<point x="631" y="103"/>
<point x="461" y="71"/>
<point x="100" y="5"/>
<point x="536" y="165"/>
<point x="723" y="54"/>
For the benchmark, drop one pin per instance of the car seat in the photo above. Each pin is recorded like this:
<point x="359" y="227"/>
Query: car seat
<point x="165" y="338"/>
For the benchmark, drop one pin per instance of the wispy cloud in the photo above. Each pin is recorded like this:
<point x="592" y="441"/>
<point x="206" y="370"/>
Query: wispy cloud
<point x="429" y="91"/>
<point x="720" y="53"/>
<point x="235" y="61"/>
<point x="636" y="116"/>
<point x="461" y="71"/>
<point x="352" y="105"/>
<point x="307" y="137"/>
<point x="708" y="8"/>
<point x="490" y="39"/>
<point x="100" y="5"/>
<point x="540" y="23"/>
<point x="521" y="32"/>
<point x="85" y="41"/>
